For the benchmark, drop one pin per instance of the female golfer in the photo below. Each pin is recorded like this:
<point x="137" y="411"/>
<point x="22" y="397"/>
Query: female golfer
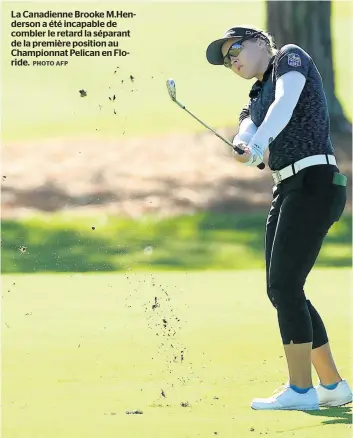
<point x="287" y="113"/>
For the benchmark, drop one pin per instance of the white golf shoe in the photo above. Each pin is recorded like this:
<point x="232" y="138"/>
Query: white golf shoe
<point x="288" y="399"/>
<point x="339" y="396"/>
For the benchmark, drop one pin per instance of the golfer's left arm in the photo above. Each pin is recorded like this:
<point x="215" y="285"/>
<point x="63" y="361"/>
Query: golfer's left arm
<point x="247" y="127"/>
<point x="287" y="93"/>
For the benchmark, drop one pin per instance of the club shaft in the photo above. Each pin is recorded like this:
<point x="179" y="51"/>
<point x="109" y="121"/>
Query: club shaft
<point x="234" y="147"/>
<point x="204" y="124"/>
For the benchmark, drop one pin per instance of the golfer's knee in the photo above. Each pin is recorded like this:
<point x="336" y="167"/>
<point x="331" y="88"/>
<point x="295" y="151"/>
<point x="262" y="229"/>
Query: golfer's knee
<point x="285" y="292"/>
<point x="271" y="296"/>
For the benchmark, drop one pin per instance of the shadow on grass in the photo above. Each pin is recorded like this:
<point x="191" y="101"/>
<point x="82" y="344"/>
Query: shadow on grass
<point x="50" y="197"/>
<point x="202" y="241"/>
<point x="342" y="415"/>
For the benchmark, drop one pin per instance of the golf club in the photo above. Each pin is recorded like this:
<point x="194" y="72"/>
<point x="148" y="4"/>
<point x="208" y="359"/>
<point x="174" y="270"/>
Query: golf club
<point x="172" y="93"/>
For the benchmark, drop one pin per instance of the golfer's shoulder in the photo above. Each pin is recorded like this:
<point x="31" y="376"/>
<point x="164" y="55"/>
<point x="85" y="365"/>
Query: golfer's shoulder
<point x="291" y="50"/>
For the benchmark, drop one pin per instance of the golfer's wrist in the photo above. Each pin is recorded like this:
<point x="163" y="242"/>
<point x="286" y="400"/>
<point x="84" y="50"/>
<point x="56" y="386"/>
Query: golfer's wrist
<point x="242" y="137"/>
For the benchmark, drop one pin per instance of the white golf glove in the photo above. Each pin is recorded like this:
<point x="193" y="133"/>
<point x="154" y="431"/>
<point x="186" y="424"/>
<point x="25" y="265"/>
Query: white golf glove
<point x="256" y="156"/>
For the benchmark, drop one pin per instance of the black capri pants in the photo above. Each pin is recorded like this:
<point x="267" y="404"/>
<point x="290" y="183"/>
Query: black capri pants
<point x="303" y="209"/>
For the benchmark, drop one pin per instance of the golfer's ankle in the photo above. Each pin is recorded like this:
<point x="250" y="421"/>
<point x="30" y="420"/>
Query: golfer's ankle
<point x="328" y="382"/>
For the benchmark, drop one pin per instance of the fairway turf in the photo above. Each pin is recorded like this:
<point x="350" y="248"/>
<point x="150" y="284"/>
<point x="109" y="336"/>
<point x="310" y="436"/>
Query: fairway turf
<point x="79" y="350"/>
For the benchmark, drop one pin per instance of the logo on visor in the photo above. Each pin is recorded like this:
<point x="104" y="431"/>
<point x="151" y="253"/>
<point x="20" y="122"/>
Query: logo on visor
<point x="294" y="60"/>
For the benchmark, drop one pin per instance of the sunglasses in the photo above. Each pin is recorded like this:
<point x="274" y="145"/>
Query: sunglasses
<point x="235" y="49"/>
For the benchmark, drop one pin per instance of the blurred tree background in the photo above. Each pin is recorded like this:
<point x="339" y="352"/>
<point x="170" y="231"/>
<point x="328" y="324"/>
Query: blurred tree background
<point x="308" y="24"/>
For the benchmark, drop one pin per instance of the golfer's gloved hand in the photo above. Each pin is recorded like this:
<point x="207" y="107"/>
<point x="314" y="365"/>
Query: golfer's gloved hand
<point x="252" y="156"/>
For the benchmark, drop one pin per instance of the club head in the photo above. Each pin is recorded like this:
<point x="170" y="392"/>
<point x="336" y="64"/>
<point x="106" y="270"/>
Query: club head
<point x="171" y="88"/>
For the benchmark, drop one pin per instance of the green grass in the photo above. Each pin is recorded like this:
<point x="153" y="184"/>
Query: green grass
<point x="61" y="243"/>
<point x="168" y="40"/>
<point x="78" y="351"/>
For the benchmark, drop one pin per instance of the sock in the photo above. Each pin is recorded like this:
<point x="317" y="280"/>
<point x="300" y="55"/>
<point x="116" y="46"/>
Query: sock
<point x="300" y="390"/>
<point x="330" y="387"/>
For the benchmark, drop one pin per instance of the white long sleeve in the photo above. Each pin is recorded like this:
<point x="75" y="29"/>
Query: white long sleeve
<point x="247" y="129"/>
<point x="248" y="126"/>
<point x="288" y="90"/>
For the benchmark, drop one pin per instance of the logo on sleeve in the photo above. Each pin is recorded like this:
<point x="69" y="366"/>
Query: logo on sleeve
<point x="294" y="60"/>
